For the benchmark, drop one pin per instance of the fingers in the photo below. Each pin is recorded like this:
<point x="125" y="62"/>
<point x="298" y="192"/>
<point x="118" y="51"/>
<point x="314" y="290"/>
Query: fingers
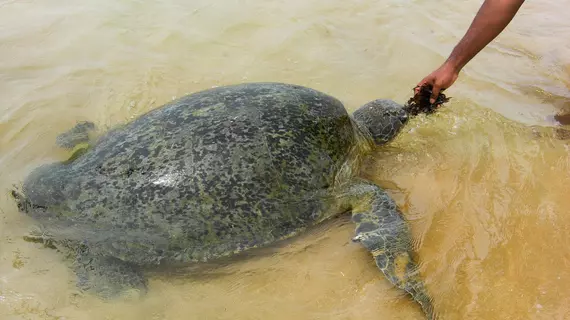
<point x="421" y="83"/>
<point x="440" y="80"/>
<point x="432" y="79"/>
<point x="434" y="93"/>
<point x="436" y="86"/>
<point x="417" y="88"/>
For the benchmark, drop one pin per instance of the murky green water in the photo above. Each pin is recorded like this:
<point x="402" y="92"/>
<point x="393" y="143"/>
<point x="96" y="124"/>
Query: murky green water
<point x="487" y="198"/>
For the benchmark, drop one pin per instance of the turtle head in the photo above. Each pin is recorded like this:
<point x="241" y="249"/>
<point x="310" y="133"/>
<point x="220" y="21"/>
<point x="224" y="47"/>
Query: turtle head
<point x="382" y="118"/>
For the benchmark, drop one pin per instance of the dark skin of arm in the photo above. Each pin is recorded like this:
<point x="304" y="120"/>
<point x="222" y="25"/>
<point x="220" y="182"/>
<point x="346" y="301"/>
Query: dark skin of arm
<point x="491" y="19"/>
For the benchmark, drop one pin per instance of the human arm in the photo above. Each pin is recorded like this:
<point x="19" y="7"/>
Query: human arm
<point x="491" y="19"/>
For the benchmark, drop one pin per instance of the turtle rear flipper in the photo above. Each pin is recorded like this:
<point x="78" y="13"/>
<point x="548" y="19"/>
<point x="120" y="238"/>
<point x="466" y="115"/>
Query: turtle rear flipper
<point x="108" y="277"/>
<point x="76" y="135"/>
<point x="381" y="229"/>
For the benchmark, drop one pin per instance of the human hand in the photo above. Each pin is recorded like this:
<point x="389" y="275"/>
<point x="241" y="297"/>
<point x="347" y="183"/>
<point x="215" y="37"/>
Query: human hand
<point x="440" y="79"/>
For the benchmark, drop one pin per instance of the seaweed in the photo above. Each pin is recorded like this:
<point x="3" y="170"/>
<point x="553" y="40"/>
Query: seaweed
<point x="420" y="103"/>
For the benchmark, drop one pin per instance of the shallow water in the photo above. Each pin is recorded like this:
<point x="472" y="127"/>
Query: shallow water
<point x="485" y="196"/>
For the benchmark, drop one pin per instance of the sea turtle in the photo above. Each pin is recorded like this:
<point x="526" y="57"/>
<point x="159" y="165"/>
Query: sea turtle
<point x="215" y="173"/>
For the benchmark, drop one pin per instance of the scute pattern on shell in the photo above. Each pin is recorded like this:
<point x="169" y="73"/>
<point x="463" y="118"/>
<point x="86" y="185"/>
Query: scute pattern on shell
<point x="207" y="175"/>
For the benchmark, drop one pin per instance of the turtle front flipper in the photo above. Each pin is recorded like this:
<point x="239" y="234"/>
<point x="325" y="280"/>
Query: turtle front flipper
<point x="381" y="229"/>
<point x="76" y="135"/>
<point x="108" y="277"/>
